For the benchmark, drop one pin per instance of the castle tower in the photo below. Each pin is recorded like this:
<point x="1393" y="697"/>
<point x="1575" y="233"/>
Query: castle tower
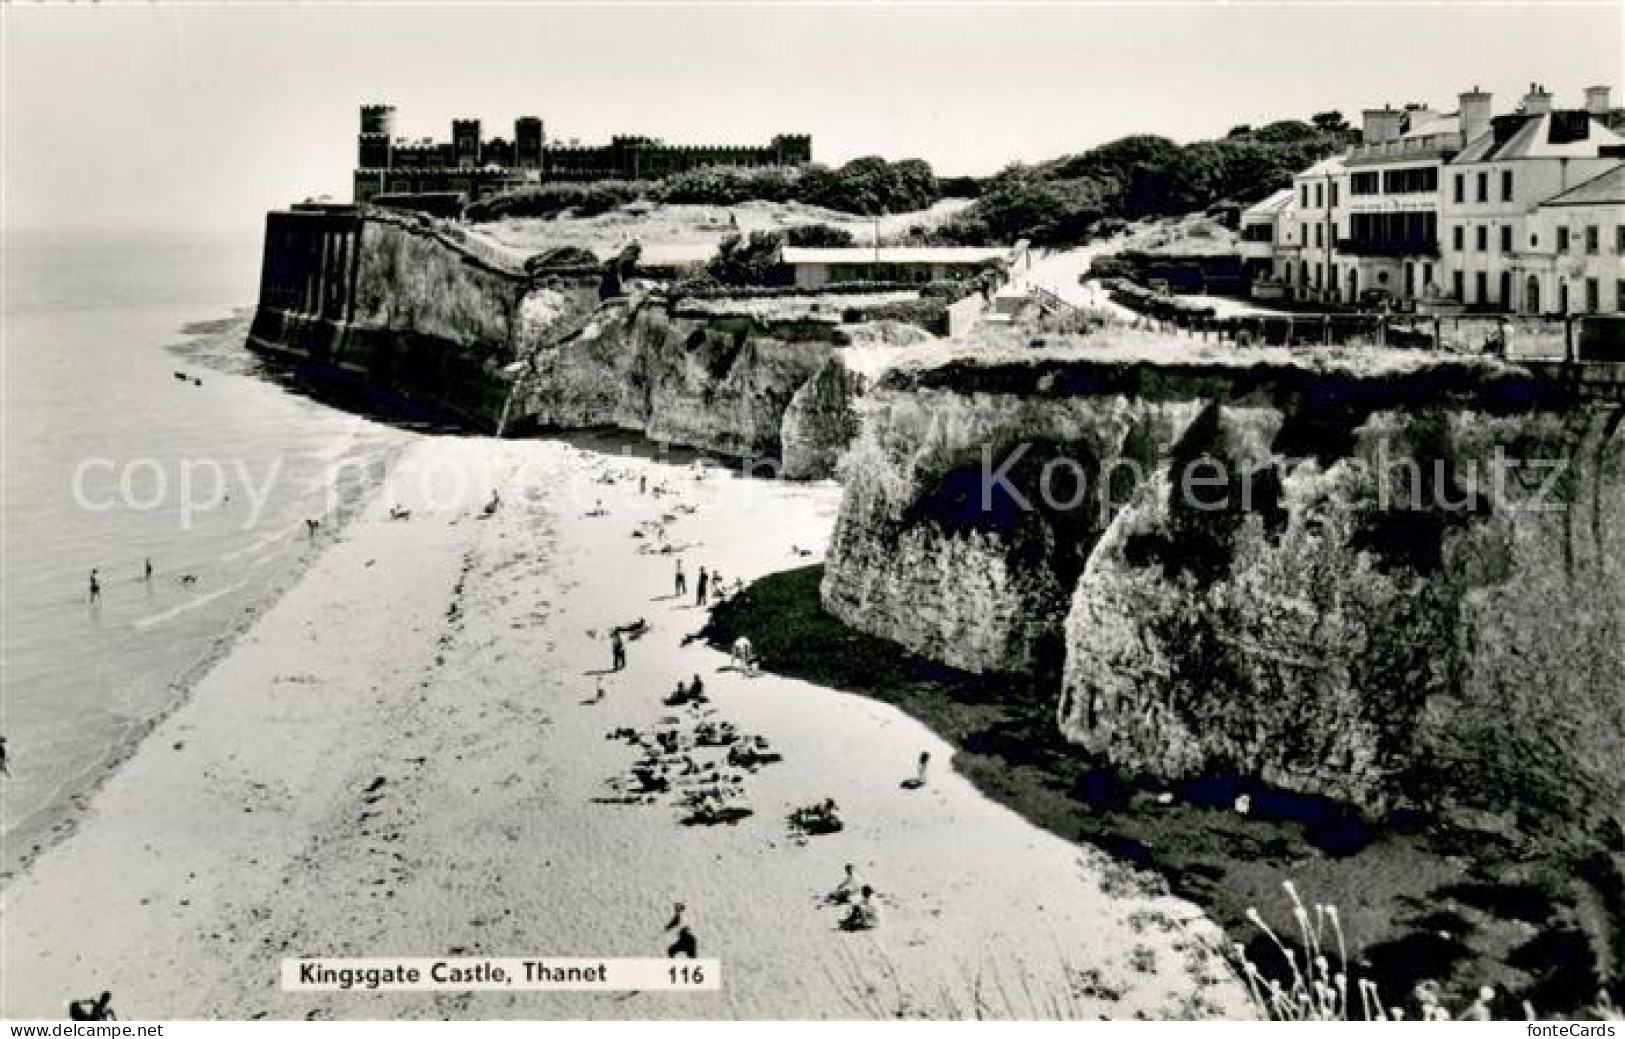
<point x="527" y="142"/>
<point x="792" y="149"/>
<point x="465" y="142"/>
<point x="374" y="148"/>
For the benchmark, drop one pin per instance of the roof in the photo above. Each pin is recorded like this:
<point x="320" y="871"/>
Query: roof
<point x="1607" y="188"/>
<point x="1427" y="123"/>
<point x="1324" y="167"/>
<point x="667" y="254"/>
<point x="895" y="254"/>
<point x="1548" y="135"/>
<point x="1269" y="206"/>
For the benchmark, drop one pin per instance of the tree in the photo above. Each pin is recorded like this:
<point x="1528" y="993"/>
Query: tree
<point x="747" y="261"/>
<point x="1330" y="123"/>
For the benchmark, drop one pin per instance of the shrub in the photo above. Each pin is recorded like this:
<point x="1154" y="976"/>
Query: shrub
<point x="819" y="236"/>
<point x="747" y="261"/>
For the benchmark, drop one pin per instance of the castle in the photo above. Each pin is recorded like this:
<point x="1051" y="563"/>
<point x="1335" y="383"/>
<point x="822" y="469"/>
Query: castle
<point x="470" y="165"/>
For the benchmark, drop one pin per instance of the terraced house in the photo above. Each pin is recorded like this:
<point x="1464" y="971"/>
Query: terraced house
<point x="1466" y="210"/>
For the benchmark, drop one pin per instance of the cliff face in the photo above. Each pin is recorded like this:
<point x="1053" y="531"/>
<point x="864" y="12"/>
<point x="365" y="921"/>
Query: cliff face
<point x="723" y="384"/>
<point x="1346" y="581"/>
<point x="394" y="304"/>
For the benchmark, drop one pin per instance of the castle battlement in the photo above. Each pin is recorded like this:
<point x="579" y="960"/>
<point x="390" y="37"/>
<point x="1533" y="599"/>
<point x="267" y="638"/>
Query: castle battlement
<point x="471" y="165"/>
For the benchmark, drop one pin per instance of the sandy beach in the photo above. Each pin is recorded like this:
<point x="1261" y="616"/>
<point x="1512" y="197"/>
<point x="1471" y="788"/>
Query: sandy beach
<point x="402" y="758"/>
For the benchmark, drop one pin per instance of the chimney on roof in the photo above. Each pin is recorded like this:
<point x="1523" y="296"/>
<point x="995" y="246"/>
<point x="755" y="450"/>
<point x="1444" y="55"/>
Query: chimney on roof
<point x="1597" y="100"/>
<point x="1475" y="115"/>
<point x="1381" y="124"/>
<point x="1538" y="101"/>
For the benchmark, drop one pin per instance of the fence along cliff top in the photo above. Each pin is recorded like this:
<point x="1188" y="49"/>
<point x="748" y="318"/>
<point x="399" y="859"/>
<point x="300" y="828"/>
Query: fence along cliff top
<point x="471" y="165"/>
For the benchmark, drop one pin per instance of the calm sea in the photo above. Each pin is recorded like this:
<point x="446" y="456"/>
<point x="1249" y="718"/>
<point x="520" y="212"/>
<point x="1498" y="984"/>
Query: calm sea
<point x="111" y="460"/>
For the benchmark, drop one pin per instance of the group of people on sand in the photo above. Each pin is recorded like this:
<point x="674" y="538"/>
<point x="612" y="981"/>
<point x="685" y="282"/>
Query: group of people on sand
<point x="709" y="586"/>
<point x="95" y="580"/>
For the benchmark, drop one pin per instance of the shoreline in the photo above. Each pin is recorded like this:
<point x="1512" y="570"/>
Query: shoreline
<point x="1419" y="899"/>
<point x="403" y="757"/>
<point x="38" y="832"/>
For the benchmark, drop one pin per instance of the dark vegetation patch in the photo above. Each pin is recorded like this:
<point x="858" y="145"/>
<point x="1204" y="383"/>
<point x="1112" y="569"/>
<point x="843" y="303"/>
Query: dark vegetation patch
<point x="1038" y="496"/>
<point x="1487" y="388"/>
<point x="1211" y="495"/>
<point x="1398" y="882"/>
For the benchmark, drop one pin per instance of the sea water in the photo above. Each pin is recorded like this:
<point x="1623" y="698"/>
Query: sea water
<point x="111" y="459"/>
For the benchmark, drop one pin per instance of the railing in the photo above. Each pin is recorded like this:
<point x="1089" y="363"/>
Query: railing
<point x="1574" y="339"/>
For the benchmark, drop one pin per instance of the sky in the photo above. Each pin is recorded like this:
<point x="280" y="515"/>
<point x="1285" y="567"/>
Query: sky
<point x="206" y="116"/>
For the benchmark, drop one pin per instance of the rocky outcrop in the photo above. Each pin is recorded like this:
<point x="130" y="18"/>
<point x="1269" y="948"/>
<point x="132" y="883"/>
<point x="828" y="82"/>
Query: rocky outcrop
<point x="1345" y="578"/>
<point x="719" y="383"/>
<point x="404" y="305"/>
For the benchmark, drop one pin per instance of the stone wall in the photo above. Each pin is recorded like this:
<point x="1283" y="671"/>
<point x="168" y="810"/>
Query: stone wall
<point x="395" y="303"/>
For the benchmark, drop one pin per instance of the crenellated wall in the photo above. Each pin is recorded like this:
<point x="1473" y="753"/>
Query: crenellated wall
<point x="1378" y="600"/>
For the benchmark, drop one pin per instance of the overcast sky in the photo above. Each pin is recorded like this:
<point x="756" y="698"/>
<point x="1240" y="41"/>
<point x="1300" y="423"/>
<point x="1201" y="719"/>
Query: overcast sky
<point x="208" y="116"/>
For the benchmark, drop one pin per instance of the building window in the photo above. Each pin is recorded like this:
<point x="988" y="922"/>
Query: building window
<point x="1320" y="236"/>
<point x="1411" y="181"/>
<point x="1305" y="189"/>
<point x="1591" y="239"/>
<point x="1483" y="237"/>
<point x="1458" y="282"/>
<point x="1481" y="287"/>
<point x="1320" y="195"/>
<point x="1506" y="185"/>
<point x="1619" y="295"/>
<point x="1562" y="239"/>
<point x="1427" y="275"/>
<point x="1483" y="187"/>
<point x="1364" y="183"/>
<point x="1461" y="187"/>
<point x="1334" y="194"/>
<point x="1506" y="290"/>
<point x="1619" y="239"/>
<point x="1458" y="237"/>
<point x="1592" y="297"/>
<point x="1506" y="238"/>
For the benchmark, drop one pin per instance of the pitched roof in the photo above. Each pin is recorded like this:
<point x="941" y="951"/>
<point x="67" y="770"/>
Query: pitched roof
<point x="1270" y="206"/>
<point x="1549" y="135"/>
<point x="1332" y="164"/>
<point x="1607" y="188"/>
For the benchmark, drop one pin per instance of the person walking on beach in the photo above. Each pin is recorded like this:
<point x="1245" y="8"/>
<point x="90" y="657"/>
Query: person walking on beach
<point x="147" y="574"/>
<point x="700" y="588"/>
<point x="310" y="528"/>
<point x="617" y="651"/>
<point x="682" y="580"/>
<point x="685" y="942"/>
<point x="100" y="1009"/>
<point x="95" y="587"/>
<point x="919" y="778"/>
<point x="5" y="765"/>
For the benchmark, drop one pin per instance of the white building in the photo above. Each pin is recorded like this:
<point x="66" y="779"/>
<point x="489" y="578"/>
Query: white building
<point x="1492" y="239"/>
<point x="1577" y="262"/>
<point x="816" y="267"/>
<point x="1460" y="210"/>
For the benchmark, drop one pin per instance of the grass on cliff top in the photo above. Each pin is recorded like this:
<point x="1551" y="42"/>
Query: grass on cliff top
<point x="1419" y="901"/>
